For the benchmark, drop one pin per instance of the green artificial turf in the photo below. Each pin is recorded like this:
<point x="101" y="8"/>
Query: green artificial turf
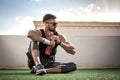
<point x="80" y="74"/>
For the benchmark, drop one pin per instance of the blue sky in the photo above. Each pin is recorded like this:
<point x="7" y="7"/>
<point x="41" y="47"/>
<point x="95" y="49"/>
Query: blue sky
<point x="16" y="16"/>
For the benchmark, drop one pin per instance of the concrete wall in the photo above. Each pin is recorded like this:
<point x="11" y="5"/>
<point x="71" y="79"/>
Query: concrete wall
<point x="96" y="48"/>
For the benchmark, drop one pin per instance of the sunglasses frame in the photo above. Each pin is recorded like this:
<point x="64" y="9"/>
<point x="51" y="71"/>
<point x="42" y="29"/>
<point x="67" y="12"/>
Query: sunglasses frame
<point x="54" y="23"/>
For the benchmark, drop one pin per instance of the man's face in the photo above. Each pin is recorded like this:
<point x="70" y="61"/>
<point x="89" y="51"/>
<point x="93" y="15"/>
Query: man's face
<point x="50" y="24"/>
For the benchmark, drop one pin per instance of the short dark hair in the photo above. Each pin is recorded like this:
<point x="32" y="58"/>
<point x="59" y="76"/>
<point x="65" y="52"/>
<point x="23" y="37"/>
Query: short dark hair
<point x="48" y="17"/>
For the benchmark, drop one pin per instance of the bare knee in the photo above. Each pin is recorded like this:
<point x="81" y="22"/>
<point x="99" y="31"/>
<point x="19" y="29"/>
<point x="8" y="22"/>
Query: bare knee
<point x="30" y="32"/>
<point x="33" y="33"/>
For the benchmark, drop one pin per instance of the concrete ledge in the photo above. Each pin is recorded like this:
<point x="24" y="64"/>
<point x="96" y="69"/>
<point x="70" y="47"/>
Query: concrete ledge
<point x="81" y="24"/>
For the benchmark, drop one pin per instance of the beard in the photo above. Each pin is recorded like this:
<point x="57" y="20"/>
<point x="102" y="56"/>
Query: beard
<point x="51" y="30"/>
<point x="54" y="31"/>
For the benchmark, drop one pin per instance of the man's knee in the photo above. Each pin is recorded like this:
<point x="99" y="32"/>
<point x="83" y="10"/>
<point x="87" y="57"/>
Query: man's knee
<point x="34" y="45"/>
<point x="68" y="67"/>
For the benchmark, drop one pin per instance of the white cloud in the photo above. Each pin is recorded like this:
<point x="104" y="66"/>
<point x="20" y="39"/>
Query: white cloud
<point x="24" y="23"/>
<point x="77" y="14"/>
<point x="24" y="20"/>
<point x="91" y="9"/>
<point x="90" y="13"/>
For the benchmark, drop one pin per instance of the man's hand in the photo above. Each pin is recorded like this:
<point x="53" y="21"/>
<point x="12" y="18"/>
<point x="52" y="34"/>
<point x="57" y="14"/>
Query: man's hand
<point x="52" y="43"/>
<point x="55" y="38"/>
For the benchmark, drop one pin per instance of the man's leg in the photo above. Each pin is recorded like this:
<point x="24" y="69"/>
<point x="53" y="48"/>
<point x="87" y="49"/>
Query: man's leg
<point x="68" y="67"/>
<point x="35" y="52"/>
<point x="62" y="68"/>
<point x="56" y="69"/>
<point x="35" y="55"/>
<point x="38" y="68"/>
<point x="36" y="58"/>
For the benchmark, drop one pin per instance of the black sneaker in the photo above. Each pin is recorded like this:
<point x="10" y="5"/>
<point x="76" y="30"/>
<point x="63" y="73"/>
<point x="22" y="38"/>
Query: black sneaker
<point x="40" y="69"/>
<point x="33" y="70"/>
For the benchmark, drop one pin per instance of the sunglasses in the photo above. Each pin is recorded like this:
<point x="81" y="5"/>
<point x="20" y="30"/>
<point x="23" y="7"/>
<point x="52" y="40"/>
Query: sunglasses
<point x="54" y="23"/>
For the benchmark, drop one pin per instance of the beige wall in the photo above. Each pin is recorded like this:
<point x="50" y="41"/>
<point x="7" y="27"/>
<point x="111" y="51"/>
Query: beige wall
<point x="96" y="48"/>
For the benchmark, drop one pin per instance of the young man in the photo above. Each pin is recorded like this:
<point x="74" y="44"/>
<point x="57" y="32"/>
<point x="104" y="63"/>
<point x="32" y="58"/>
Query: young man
<point x="43" y="49"/>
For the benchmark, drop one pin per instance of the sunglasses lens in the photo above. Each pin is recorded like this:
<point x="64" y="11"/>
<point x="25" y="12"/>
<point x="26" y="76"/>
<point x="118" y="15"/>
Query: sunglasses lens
<point x="55" y="24"/>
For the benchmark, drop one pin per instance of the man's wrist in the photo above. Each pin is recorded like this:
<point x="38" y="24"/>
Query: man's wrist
<point x="46" y="41"/>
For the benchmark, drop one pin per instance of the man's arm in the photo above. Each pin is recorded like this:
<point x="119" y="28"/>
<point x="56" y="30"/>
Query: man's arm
<point x="68" y="47"/>
<point x="35" y="35"/>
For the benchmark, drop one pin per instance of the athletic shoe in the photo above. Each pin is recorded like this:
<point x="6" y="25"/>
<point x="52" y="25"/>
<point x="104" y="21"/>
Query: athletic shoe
<point x="40" y="69"/>
<point x="33" y="70"/>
